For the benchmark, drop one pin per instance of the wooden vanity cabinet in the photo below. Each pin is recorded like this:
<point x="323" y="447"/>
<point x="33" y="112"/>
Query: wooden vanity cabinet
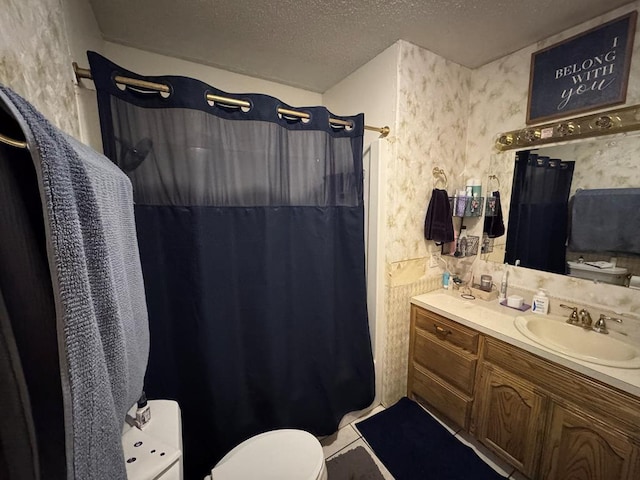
<point x="579" y="446"/>
<point x="548" y="421"/>
<point x="443" y="356"/>
<point x="510" y="418"/>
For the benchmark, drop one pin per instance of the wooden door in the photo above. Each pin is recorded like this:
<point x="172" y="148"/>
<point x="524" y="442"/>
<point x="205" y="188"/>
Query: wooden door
<point x="509" y="418"/>
<point x="581" y="447"/>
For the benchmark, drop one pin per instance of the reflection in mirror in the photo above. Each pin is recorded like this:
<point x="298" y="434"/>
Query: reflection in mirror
<point x="609" y="163"/>
<point x="538" y="212"/>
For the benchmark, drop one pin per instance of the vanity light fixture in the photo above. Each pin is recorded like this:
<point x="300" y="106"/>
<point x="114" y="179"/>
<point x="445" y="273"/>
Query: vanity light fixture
<point x="620" y="120"/>
<point x="531" y="134"/>
<point x="566" y="128"/>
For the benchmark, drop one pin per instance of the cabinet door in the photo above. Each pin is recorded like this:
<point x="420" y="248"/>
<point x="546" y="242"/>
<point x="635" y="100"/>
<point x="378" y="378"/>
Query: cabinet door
<point x="509" y="418"/>
<point x="580" y="447"/>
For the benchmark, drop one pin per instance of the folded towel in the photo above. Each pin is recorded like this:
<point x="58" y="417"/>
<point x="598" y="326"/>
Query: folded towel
<point x="600" y="264"/>
<point x="97" y="285"/>
<point x="605" y="220"/>
<point x="438" y="224"/>
<point x="493" y="221"/>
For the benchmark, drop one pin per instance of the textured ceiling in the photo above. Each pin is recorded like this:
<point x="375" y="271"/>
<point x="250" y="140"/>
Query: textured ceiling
<point x="315" y="44"/>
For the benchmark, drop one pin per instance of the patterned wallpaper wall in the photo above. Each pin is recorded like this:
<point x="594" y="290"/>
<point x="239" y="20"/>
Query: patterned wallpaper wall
<point x="35" y="61"/>
<point x="440" y="105"/>
<point x="433" y="99"/>
<point x="398" y="310"/>
<point x="498" y="104"/>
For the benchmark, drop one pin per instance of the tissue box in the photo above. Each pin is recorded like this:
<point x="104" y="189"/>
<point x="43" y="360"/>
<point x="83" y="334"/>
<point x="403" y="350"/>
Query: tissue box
<point x="483" y="295"/>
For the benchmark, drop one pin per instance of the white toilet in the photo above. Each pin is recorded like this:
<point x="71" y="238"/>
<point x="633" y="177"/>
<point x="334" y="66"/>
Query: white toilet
<point x="276" y="455"/>
<point x="156" y="452"/>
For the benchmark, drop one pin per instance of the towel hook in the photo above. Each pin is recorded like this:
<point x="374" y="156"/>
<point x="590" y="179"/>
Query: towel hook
<point x="495" y="177"/>
<point x="436" y="172"/>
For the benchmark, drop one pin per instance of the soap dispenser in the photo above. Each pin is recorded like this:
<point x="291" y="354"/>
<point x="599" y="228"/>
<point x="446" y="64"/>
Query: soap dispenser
<point x="540" y="302"/>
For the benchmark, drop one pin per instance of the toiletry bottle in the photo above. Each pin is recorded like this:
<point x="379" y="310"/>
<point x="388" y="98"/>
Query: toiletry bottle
<point x="503" y="285"/>
<point x="462" y="203"/>
<point x="143" y="413"/>
<point x="454" y="245"/>
<point x="469" y="187"/>
<point x="455" y="203"/>
<point x="462" y="242"/>
<point x="473" y="187"/>
<point x="540" y="302"/>
<point x="445" y="280"/>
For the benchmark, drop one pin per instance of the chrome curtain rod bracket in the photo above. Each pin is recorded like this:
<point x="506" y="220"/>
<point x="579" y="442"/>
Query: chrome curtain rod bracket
<point x="86" y="73"/>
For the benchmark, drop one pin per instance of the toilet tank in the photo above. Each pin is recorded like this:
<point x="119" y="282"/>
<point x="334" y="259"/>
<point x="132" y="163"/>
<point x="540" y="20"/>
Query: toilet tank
<point x="612" y="275"/>
<point x="155" y="452"/>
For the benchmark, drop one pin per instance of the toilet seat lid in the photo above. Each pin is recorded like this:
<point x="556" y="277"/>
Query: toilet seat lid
<point x="279" y="455"/>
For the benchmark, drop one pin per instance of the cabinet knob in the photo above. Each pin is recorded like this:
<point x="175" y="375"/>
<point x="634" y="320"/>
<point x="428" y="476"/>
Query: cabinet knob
<point x="440" y="330"/>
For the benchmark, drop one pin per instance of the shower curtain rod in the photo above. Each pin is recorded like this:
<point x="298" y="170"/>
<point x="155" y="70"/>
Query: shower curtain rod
<point x="86" y="73"/>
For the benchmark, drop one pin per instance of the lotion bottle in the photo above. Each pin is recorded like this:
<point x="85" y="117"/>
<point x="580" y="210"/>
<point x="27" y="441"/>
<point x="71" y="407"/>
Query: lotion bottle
<point x="540" y="302"/>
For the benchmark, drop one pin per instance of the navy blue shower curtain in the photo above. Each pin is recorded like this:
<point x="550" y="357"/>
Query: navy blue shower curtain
<point x="250" y="225"/>
<point x="539" y="212"/>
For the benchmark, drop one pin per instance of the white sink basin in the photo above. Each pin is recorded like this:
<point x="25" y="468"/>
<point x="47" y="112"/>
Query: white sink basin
<point x="554" y="333"/>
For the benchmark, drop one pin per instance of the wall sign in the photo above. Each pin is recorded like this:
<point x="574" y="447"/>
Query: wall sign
<point x="582" y="73"/>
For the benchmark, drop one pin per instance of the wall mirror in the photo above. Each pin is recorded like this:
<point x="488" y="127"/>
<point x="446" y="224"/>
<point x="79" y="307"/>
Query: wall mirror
<point x="606" y="162"/>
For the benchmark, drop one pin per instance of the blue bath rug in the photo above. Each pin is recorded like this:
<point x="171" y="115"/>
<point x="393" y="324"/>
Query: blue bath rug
<point x="412" y="445"/>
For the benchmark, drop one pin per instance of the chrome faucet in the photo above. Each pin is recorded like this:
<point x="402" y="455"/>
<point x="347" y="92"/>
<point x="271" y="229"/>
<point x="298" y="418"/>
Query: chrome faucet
<point x="581" y="318"/>
<point x="585" y="319"/>
<point x="601" y="325"/>
<point x="573" y="316"/>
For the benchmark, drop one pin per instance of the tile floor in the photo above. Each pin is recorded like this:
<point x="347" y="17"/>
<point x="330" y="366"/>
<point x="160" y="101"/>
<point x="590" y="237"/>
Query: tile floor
<point x="348" y="438"/>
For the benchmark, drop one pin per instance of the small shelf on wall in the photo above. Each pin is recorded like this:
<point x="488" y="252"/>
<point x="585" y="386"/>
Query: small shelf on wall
<point x="470" y="250"/>
<point x="487" y="244"/>
<point x="466" y="206"/>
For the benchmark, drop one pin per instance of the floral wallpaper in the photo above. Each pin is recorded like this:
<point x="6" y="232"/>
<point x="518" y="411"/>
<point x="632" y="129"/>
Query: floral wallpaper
<point x="449" y="117"/>
<point x="433" y="98"/>
<point x="498" y="104"/>
<point x="601" y="163"/>
<point x="431" y="130"/>
<point x="34" y="59"/>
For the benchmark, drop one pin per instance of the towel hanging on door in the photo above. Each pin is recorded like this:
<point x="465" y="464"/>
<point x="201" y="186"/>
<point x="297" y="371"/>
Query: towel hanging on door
<point x="438" y="224"/>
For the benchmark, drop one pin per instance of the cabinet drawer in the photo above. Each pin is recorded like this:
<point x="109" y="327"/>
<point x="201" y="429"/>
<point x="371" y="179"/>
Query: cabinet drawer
<point x="452" y="364"/>
<point x="446" y="329"/>
<point x="437" y="394"/>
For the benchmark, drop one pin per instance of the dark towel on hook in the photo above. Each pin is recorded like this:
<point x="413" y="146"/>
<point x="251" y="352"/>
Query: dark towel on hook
<point x="438" y="225"/>
<point x="493" y="222"/>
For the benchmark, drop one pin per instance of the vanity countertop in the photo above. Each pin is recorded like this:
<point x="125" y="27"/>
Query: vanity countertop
<point x="495" y="320"/>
